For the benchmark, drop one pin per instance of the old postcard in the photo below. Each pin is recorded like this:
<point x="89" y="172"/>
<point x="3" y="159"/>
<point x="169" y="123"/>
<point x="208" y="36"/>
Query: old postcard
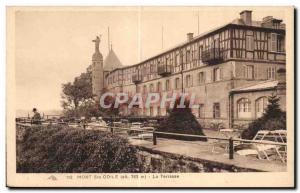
<point x="150" y="97"/>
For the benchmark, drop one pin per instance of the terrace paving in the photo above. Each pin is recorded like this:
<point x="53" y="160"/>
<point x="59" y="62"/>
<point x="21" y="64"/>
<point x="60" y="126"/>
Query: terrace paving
<point x="203" y="151"/>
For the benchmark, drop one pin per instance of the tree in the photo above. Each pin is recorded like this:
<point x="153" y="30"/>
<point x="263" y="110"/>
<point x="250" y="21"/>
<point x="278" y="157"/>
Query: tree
<point x="273" y="119"/>
<point x="273" y="109"/>
<point x="111" y="111"/>
<point x="181" y="120"/>
<point x="76" y="93"/>
<point x="89" y="109"/>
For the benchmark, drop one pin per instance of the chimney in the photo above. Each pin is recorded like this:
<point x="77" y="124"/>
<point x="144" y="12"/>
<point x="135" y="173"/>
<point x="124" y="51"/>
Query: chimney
<point x="189" y="37"/>
<point x="246" y="16"/>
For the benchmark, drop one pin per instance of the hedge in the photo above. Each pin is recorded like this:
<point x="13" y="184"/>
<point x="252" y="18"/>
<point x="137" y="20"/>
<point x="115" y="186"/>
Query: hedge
<point x="182" y="121"/>
<point x="64" y="150"/>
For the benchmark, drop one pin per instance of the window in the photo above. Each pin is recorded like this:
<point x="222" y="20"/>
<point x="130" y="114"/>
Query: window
<point x="158" y="111"/>
<point x="183" y="57"/>
<point x="217" y="74"/>
<point x="188" y="56"/>
<point x="177" y="60"/>
<point x="200" y="52"/>
<point x="145" y="89"/>
<point x="167" y="60"/>
<point x="244" y="108"/>
<point x="151" y="88"/>
<point x="260" y="106"/>
<point x="152" y="68"/>
<point x="249" y="43"/>
<point x="192" y="54"/>
<point x="158" y="87"/>
<point x="277" y="43"/>
<point x="273" y="42"/>
<point x="248" y="71"/>
<point x="167" y="85"/>
<point x="216" y="110"/>
<point x="280" y="43"/>
<point x="188" y="81"/>
<point x="151" y="111"/>
<point x="138" y="89"/>
<point x="271" y="73"/>
<point x="201" y="111"/>
<point x="216" y="43"/>
<point x="177" y="83"/>
<point x="201" y="77"/>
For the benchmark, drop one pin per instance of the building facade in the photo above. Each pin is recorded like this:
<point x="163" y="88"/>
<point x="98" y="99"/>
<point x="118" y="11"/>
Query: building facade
<point x="217" y="66"/>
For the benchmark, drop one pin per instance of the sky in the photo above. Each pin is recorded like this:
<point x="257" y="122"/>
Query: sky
<point x="55" y="45"/>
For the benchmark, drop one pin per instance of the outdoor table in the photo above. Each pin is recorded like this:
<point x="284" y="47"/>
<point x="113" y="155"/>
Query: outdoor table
<point x="230" y="133"/>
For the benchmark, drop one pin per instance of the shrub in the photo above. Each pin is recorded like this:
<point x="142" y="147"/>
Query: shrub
<point x="66" y="150"/>
<point x="273" y="119"/>
<point x="181" y="120"/>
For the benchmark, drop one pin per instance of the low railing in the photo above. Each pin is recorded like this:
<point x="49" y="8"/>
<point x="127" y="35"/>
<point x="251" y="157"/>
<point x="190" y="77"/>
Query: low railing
<point x="230" y="140"/>
<point x="164" y="70"/>
<point x="136" y="78"/>
<point x="212" y="55"/>
<point x="155" y="137"/>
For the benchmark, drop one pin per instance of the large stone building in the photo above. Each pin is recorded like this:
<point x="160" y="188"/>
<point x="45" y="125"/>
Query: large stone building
<point x="232" y="69"/>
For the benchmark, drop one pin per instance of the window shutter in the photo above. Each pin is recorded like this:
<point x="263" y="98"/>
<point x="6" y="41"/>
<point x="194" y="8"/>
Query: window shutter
<point x="184" y="57"/>
<point x="200" y="52"/>
<point x="273" y="42"/>
<point x="221" y="74"/>
<point x="270" y="43"/>
<point x="196" y="53"/>
<point x="255" y="71"/>
<point x="249" y="43"/>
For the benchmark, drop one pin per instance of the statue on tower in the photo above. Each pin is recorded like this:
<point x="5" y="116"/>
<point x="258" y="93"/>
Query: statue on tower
<point x="97" y="69"/>
<point x="97" y="42"/>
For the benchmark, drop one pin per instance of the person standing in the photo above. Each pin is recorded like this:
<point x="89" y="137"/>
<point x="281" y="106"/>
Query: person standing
<point x="36" y="119"/>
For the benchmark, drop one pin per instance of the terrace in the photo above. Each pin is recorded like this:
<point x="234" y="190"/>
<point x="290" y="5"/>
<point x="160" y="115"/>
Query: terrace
<point x="217" y="150"/>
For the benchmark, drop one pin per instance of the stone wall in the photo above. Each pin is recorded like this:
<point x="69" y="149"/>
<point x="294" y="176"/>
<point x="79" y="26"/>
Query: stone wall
<point x="154" y="161"/>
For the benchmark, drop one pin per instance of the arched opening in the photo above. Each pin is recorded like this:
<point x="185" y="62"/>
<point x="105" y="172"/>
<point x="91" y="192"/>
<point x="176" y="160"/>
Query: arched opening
<point x="260" y="106"/>
<point x="244" y="108"/>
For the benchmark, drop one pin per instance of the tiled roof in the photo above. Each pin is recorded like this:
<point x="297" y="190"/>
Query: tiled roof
<point x="258" y="86"/>
<point x="112" y="62"/>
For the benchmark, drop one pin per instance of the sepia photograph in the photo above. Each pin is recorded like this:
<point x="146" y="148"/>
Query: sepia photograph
<point x="150" y="96"/>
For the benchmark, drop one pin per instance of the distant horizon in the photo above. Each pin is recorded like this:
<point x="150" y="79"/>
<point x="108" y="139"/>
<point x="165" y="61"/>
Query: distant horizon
<point x="25" y="112"/>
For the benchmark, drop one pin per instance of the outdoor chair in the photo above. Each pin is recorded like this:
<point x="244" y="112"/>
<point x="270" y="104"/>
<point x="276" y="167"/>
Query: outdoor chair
<point x="265" y="149"/>
<point x="144" y="136"/>
<point x="225" y="133"/>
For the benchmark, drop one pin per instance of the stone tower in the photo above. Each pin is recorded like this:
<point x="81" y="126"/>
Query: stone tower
<point x="97" y="70"/>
